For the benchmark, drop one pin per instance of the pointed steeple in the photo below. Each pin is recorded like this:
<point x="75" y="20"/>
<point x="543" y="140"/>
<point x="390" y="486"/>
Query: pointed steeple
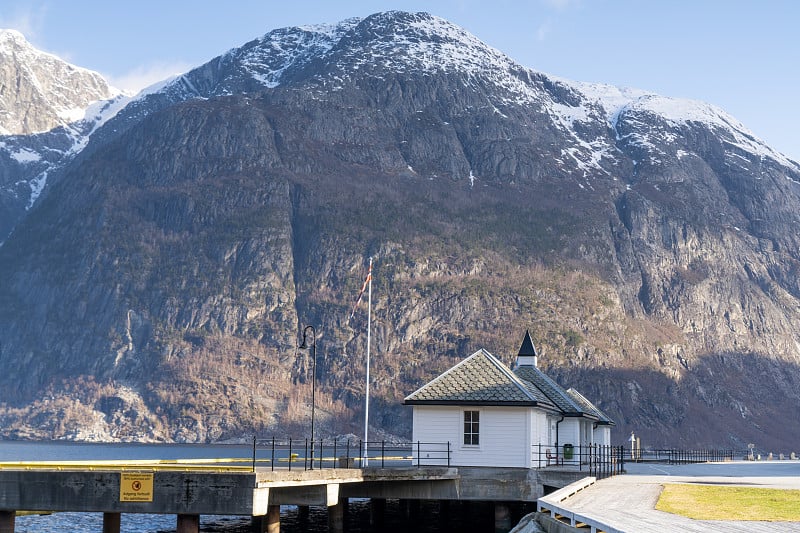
<point x="527" y="355"/>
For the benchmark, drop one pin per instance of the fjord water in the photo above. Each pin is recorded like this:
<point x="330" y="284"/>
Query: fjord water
<point x="429" y="518"/>
<point x="357" y="520"/>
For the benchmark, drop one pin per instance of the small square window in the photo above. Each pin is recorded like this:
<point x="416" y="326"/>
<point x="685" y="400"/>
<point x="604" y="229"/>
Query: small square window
<point x="471" y="428"/>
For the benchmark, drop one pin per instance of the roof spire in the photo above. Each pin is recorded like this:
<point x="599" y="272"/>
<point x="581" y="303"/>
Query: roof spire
<point x="527" y="355"/>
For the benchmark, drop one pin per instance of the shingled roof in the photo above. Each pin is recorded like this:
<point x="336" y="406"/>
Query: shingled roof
<point x="480" y="379"/>
<point x="551" y="390"/>
<point x="580" y="399"/>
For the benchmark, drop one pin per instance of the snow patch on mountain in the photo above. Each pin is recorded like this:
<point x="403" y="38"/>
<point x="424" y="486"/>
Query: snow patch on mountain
<point x="432" y="43"/>
<point x="678" y="112"/>
<point x="37" y="186"/>
<point x="49" y="92"/>
<point x="420" y="43"/>
<point x="92" y="118"/>
<point x="20" y="154"/>
<point x="50" y="115"/>
<point x="399" y="42"/>
<point x="267" y="59"/>
<point x="394" y="41"/>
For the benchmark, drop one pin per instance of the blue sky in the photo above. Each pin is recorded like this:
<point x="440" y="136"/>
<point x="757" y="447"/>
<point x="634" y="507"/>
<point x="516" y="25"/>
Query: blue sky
<point x="742" y="55"/>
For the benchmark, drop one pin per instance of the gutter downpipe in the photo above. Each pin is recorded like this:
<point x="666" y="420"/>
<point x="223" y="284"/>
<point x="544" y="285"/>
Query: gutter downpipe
<point x="557" y="423"/>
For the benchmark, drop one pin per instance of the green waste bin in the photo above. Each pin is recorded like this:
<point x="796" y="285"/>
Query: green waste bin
<point x="569" y="450"/>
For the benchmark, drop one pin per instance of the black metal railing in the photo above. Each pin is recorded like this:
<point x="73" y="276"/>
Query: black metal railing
<point x="306" y="454"/>
<point x="386" y="454"/>
<point x="597" y="460"/>
<point x="679" y="456"/>
<point x="610" y="460"/>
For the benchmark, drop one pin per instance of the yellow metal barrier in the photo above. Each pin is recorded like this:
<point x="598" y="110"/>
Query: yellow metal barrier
<point x="209" y="465"/>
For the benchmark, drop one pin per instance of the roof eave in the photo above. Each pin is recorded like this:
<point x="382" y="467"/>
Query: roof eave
<point x="577" y="414"/>
<point x="473" y="403"/>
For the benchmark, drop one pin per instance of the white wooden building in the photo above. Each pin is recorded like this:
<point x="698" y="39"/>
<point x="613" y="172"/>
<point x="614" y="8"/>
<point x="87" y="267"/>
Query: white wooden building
<point x="493" y="416"/>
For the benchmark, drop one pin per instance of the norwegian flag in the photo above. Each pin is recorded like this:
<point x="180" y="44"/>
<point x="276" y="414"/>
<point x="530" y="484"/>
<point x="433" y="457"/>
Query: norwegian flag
<point x="363" y="288"/>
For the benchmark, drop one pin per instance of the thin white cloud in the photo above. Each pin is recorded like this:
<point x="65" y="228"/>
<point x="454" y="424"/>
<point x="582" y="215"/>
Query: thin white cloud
<point x="29" y="21"/>
<point x="556" y="8"/>
<point x="542" y="31"/>
<point x="561" y="5"/>
<point x="146" y="75"/>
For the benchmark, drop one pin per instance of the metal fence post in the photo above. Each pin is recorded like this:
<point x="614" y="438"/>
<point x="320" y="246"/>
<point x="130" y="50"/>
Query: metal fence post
<point x="272" y="461"/>
<point x="290" y="453"/>
<point x="604" y="459"/>
<point x="599" y="459"/>
<point x="254" y="453"/>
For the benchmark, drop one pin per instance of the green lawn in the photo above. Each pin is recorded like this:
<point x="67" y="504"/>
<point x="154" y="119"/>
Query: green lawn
<point x="713" y="502"/>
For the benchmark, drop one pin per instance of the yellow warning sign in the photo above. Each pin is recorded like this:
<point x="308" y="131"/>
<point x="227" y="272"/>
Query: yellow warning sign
<point x="135" y="487"/>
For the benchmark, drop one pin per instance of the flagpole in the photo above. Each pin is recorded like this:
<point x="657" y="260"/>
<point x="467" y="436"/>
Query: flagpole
<point x="369" y="327"/>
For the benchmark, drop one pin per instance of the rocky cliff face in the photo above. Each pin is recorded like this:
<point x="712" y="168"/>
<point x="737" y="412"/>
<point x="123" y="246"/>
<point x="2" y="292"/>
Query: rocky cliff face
<point x="158" y="289"/>
<point x="39" y="92"/>
<point x="48" y="109"/>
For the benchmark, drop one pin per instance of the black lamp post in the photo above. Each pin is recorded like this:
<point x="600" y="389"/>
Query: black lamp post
<point x="313" y="379"/>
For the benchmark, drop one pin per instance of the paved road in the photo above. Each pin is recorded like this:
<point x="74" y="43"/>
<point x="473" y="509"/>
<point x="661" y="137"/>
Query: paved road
<point x="726" y="469"/>
<point x="627" y="502"/>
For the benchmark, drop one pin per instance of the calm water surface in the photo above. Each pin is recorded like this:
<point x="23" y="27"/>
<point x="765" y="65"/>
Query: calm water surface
<point x="429" y="518"/>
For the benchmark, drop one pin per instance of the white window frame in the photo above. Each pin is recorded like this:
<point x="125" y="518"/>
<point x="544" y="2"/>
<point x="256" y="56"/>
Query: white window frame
<point x="476" y="425"/>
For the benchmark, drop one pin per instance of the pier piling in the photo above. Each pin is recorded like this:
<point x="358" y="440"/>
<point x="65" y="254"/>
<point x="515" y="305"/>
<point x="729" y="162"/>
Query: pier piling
<point x="377" y="511"/>
<point x="502" y="516"/>
<point x="336" y="517"/>
<point x="188" y="523"/>
<point x="7" y="519"/>
<point x="111" y="522"/>
<point x="273" y="520"/>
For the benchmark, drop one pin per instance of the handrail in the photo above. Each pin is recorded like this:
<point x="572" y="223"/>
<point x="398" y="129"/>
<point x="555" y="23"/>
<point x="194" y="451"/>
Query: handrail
<point x="551" y="505"/>
<point x="679" y="456"/>
<point x="597" y="460"/>
<point x="338" y="453"/>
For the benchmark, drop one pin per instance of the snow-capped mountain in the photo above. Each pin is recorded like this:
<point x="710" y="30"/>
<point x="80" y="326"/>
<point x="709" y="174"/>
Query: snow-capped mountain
<point x="48" y="110"/>
<point x="650" y="242"/>
<point x="40" y="91"/>
<point x="324" y="57"/>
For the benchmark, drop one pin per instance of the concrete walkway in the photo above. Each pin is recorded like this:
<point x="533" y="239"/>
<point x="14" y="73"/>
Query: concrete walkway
<point x="627" y="502"/>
